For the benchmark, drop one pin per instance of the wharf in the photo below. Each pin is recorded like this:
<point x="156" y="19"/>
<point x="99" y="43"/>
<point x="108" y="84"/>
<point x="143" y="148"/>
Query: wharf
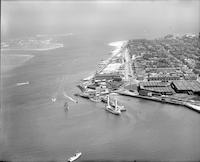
<point x="163" y="100"/>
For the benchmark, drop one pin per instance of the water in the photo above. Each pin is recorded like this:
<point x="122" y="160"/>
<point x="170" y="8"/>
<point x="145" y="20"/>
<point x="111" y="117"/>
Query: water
<point x="37" y="129"/>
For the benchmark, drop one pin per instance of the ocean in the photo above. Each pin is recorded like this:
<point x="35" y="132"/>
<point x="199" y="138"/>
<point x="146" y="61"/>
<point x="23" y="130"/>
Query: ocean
<point x="36" y="129"/>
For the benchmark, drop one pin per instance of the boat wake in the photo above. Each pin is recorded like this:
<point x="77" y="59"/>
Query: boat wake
<point x="73" y="100"/>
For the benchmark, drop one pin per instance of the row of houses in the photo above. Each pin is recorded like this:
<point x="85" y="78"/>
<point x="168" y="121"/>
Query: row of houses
<point x="172" y="77"/>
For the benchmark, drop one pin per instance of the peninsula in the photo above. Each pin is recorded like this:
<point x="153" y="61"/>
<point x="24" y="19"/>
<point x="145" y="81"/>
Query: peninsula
<point x="163" y="70"/>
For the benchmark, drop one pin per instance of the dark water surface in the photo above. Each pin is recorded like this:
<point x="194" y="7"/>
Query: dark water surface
<point x="36" y="129"/>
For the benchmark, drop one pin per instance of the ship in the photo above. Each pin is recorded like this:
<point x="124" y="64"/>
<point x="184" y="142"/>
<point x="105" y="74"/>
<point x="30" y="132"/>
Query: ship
<point x="114" y="110"/>
<point x="112" y="103"/>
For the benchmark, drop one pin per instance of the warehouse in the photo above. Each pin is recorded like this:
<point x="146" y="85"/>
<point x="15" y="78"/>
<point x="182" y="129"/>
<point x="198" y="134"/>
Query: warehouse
<point x="158" y="88"/>
<point x="184" y="86"/>
<point x="115" y="77"/>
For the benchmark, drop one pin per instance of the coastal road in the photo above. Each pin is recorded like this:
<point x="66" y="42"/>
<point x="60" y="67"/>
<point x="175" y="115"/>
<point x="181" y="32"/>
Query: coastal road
<point x="128" y="67"/>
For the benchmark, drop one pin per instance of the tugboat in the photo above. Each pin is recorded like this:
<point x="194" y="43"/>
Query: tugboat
<point x="75" y="157"/>
<point x="114" y="110"/>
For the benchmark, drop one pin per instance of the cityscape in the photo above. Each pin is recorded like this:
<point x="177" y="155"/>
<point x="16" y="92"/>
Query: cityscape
<point x="163" y="70"/>
<point x="100" y="81"/>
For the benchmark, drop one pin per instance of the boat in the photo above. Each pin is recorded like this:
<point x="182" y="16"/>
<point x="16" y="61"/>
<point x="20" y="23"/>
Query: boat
<point x="66" y="106"/>
<point x="23" y="83"/>
<point x="75" y="157"/>
<point x="53" y="99"/>
<point x="114" y="110"/>
<point x="112" y="103"/>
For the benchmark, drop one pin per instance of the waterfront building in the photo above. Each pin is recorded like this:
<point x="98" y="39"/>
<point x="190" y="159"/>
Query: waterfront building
<point x="186" y="86"/>
<point x="157" y="88"/>
<point x="106" y="77"/>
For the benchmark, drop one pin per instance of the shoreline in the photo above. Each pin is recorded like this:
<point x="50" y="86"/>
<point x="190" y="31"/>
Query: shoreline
<point x="165" y="100"/>
<point x="117" y="49"/>
<point x="121" y="51"/>
<point x="32" y="49"/>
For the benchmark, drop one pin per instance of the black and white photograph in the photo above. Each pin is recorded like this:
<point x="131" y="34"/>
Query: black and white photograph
<point x="100" y="81"/>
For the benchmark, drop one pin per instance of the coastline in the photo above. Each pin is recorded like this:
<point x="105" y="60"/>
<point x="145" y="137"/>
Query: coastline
<point x="122" y="53"/>
<point x="39" y="49"/>
<point x="164" y="100"/>
<point x="115" y="52"/>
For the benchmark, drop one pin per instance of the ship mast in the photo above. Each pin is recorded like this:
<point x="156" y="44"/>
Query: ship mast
<point x="108" y="101"/>
<point x="115" y="103"/>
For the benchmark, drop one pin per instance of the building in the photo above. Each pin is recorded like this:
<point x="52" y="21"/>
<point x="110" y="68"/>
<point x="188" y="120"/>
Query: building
<point x="157" y="88"/>
<point x="190" y="76"/>
<point x="115" y="77"/>
<point x="164" y="70"/>
<point x="186" y="86"/>
<point x="163" y="78"/>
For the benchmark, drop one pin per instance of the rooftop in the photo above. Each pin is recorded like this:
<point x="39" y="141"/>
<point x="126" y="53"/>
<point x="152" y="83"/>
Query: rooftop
<point x="187" y="85"/>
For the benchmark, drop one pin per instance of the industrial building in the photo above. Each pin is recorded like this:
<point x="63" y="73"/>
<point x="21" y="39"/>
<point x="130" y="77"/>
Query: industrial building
<point x="185" y="86"/>
<point x="163" y="78"/>
<point x="157" y="88"/>
<point x="115" y="77"/>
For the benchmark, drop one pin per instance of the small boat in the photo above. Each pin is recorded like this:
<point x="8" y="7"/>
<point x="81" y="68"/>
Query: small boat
<point x="114" y="110"/>
<point x="53" y="99"/>
<point x="75" y="157"/>
<point x="21" y="84"/>
<point x="66" y="106"/>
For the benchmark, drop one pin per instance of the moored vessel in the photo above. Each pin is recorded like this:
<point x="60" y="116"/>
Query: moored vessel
<point x="114" y="110"/>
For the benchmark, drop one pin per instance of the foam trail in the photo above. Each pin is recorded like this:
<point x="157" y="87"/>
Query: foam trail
<point x="75" y="101"/>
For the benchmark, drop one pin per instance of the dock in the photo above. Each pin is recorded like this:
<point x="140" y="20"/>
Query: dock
<point x="167" y="100"/>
